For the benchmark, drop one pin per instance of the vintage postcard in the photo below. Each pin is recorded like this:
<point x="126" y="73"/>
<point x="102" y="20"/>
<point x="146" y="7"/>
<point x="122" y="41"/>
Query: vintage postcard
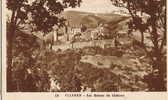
<point x="84" y="49"/>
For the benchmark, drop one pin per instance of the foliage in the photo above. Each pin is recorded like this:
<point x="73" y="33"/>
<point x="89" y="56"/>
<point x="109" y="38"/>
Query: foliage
<point x="23" y="75"/>
<point x="149" y="16"/>
<point x="41" y="15"/>
<point x="69" y="72"/>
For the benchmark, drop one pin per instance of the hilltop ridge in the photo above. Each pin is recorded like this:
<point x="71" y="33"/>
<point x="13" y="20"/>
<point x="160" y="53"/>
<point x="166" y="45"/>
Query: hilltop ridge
<point x="76" y="18"/>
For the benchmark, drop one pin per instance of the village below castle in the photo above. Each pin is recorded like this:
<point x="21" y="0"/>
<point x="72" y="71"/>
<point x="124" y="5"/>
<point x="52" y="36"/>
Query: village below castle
<point x="100" y="34"/>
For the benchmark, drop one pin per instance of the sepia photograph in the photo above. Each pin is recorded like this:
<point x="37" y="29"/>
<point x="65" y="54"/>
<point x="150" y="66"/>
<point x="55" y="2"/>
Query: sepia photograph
<point x="86" y="46"/>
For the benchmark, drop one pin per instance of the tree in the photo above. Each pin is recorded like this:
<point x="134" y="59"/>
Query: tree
<point x="83" y="28"/>
<point x="149" y="16"/>
<point x="42" y="15"/>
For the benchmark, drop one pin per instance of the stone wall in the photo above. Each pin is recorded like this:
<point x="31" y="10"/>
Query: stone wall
<point x="99" y="43"/>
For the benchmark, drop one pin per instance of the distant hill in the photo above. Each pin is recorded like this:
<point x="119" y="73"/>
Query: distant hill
<point x="77" y="18"/>
<point x="74" y="17"/>
<point x="92" y="21"/>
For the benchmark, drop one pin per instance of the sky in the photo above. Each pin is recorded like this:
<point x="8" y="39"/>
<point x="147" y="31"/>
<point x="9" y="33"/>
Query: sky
<point x="96" y="6"/>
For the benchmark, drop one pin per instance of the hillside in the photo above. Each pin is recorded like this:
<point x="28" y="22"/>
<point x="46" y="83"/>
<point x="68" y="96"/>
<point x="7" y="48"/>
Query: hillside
<point x="77" y="18"/>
